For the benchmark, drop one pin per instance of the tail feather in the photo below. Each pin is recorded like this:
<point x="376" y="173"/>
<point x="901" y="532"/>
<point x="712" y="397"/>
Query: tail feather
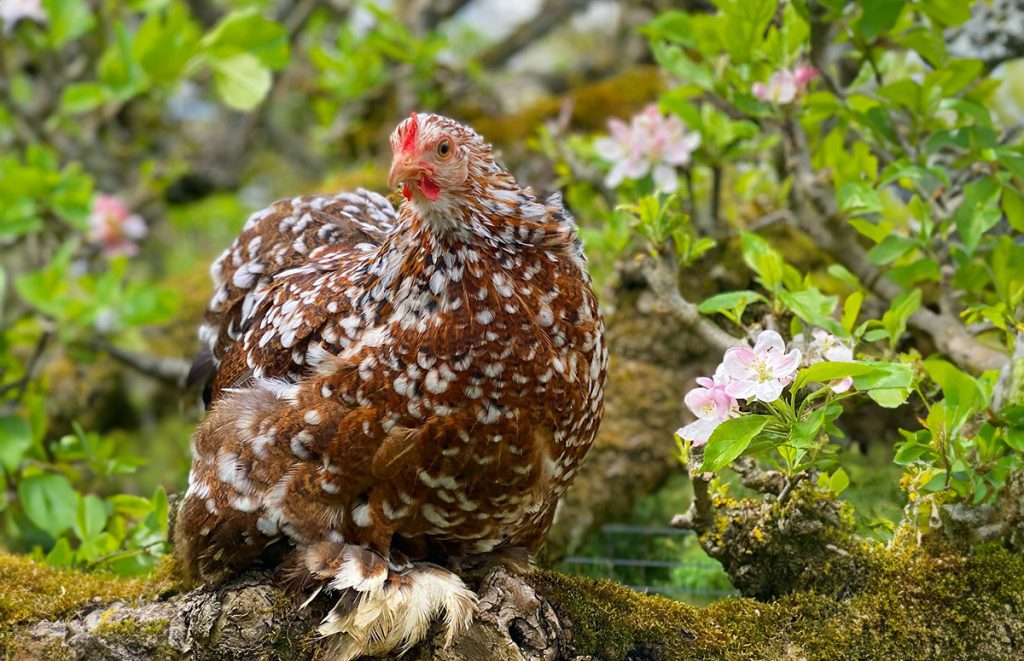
<point x="386" y="607"/>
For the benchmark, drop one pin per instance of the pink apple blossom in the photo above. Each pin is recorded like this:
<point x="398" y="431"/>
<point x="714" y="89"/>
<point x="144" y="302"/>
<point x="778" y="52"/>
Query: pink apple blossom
<point x="785" y="85"/>
<point x="113" y="228"/>
<point x="651" y="143"/>
<point x="762" y="372"/>
<point x="13" y="12"/>
<point x="711" y="404"/>
<point x="827" y="346"/>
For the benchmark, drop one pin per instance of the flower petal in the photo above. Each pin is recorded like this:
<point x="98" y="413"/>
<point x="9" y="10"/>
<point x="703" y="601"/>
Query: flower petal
<point x="768" y="391"/>
<point x="767" y="341"/>
<point x="842" y="385"/>
<point x="609" y="149"/>
<point x="699" y="399"/>
<point x="665" y="178"/>
<point x="741" y="389"/>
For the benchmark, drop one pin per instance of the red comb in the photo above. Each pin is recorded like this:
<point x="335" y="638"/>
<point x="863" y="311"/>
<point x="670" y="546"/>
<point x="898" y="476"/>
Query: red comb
<point x="409" y="141"/>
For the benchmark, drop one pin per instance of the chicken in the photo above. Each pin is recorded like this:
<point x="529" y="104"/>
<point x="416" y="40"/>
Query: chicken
<point x="392" y="394"/>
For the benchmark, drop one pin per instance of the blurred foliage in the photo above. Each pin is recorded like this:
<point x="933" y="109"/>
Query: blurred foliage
<point x="119" y="122"/>
<point x="826" y="115"/>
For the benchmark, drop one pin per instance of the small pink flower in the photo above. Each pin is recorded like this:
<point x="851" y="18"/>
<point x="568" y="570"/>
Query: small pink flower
<point x="651" y="143"/>
<point x="803" y="75"/>
<point x="712" y="405"/>
<point x="762" y="372"/>
<point x="827" y="346"/>
<point x="785" y="85"/>
<point x="13" y="12"/>
<point x="113" y="228"/>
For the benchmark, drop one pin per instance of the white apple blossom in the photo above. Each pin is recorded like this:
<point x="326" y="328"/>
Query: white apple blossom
<point x="711" y="404"/>
<point x="827" y="346"/>
<point x="651" y="143"/>
<point x="762" y="372"/>
<point x="785" y="85"/>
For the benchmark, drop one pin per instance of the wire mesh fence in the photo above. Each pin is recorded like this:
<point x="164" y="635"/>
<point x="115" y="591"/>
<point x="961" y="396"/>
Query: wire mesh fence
<point x="652" y="559"/>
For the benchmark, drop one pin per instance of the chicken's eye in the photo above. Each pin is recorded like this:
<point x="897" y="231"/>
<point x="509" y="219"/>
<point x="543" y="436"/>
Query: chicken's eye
<point x="444" y="148"/>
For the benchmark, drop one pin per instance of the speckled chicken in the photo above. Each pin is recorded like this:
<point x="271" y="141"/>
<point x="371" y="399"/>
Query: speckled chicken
<point x="394" y="392"/>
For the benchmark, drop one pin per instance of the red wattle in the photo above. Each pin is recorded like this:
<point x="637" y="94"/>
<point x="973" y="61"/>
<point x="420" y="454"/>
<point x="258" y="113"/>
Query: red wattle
<point x="406" y="193"/>
<point x="430" y="189"/>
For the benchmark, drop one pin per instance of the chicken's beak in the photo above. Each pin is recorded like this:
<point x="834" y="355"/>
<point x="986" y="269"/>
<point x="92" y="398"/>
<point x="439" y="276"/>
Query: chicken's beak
<point x="402" y="170"/>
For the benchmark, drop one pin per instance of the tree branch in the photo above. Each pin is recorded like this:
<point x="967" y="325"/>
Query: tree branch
<point x="663" y="283"/>
<point x="170" y="370"/>
<point x="551" y="15"/>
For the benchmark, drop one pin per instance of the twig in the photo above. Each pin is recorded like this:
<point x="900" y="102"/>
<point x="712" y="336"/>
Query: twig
<point x="663" y="283"/>
<point x="790" y="485"/>
<point x="32" y="367"/>
<point x="550" y="16"/>
<point x="755" y="478"/>
<point x="716" y="197"/>
<point x="170" y="370"/>
<point x="700" y="514"/>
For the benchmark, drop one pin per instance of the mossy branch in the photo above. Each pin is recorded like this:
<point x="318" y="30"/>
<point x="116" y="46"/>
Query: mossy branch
<point x="908" y="603"/>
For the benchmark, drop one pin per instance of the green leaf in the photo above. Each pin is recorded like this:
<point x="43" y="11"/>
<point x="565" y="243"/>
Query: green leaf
<point x="889" y="398"/>
<point x="743" y="24"/>
<point x="804" y="434"/>
<point x="977" y="212"/>
<point x="15" y="440"/>
<point x="161" y="509"/>
<point x="83" y="97"/>
<point x="61" y="554"/>
<point x="927" y="42"/>
<point x="963" y="395"/>
<point x="67" y="20"/>
<point x="895" y="319"/>
<point x="825" y="372"/>
<point x="1013" y="207"/>
<point x="118" y="69"/>
<point x="130" y="505"/>
<point x="671" y="25"/>
<point x="813" y="307"/>
<point x="728" y="301"/>
<point x="858" y="197"/>
<point x="884" y="375"/>
<point x="874" y="231"/>
<point x="890" y="249"/>
<point x="851" y="309"/>
<point x="91" y="517"/>
<point x="165" y="42"/>
<point x="838" y="482"/>
<point x="763" y="259"/>
<point x="877" y="16"/>
<point x="242" y="82"/>
<point x="730" y="439"/>
<point x="840" y="272"/>
<point x="245" y="32"/>
<point x="947" y="12"/>
<point x="49" y="502"/>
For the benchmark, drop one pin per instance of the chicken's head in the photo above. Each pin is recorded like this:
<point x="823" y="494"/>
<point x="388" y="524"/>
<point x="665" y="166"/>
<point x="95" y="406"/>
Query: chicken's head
<point x="431" y="158"/>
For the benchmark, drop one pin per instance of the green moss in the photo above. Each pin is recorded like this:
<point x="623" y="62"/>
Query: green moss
<point x="31" y="590"/>
<point x="915" y="603"/>
<point x="137" y="636"/>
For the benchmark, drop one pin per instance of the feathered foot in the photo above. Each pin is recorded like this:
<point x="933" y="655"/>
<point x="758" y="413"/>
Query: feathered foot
<point x="385" y="606"/>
